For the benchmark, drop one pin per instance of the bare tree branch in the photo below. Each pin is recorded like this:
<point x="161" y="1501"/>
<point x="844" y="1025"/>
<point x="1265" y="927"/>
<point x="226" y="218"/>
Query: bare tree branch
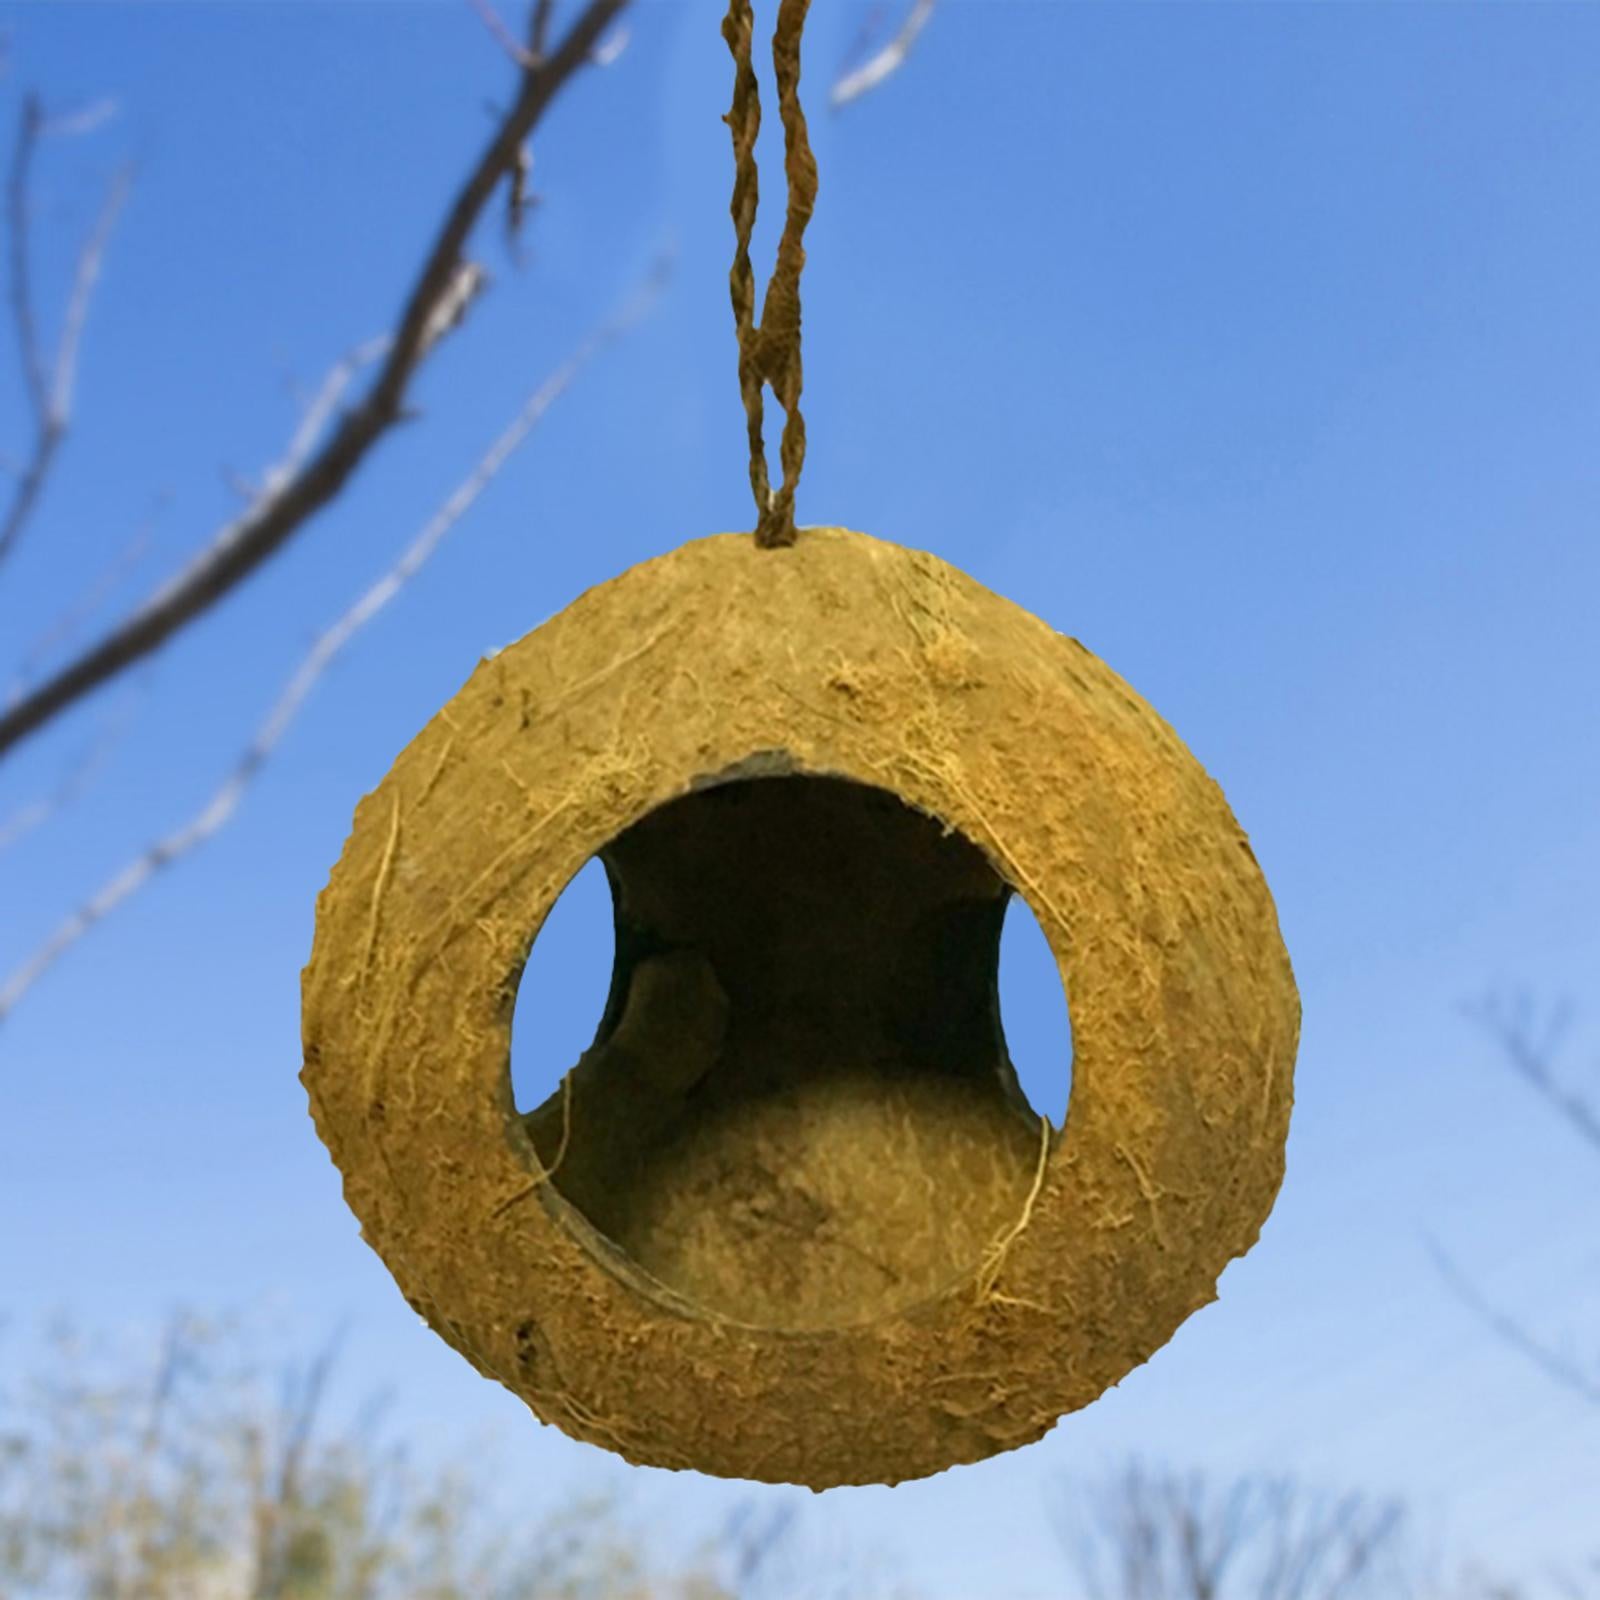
<point x="520" y="199"/>
<point x="246" y="543"/>
<point x="65" y="376"/>
<point x="496" y="24"/>
<point x="1530" y="1060"/>
<point x="19" y="211"/>
<point x="610" y="48"/>
<point x="313" y="421"/>
<point x="539" y="27"/>
<point x="49" y="393"/>
<point x="74" y="124"/>
<point x="103" y="584"/>
<point x="319" y="410"/>
<point x="1168" y="1537"/>
<point x="280" y="1510"/>
<point x="873" y="71"/>
<point x="1555" y="1365"/>
<point x="751" y="1541"/>
<point x="325" y="402"/>
<point x="80" y="773"/>
<point x="222" y="804"/>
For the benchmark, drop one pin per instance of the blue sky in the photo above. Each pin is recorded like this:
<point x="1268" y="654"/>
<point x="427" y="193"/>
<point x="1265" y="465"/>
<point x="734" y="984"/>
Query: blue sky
<point x="1256" y="346"/>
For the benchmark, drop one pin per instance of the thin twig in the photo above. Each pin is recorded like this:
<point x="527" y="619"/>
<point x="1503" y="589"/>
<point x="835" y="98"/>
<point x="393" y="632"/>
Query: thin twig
<point x="1551" y="1362"/>
<point x="539" y="28"/>
<point x="866" y="36"/>
<point x="74" y="124"/>
<point x="50" y="393"/>
<point x="609" y="50"/>
<point x="1171" y="1536"/>
<point x="222" y="804"/>
<point x="752" y="1542"/>
<point x="520" y="200"/>
<point x="889" y="59"/>
<point x="308" y="430"/>
<point x="496" y="24"/>
<point x="93" y="597"/>
<point x="79" y="775"/>
<point x="65" y="376"/>
<point x="320" y="408"/>
<point x="1530" y="1060"/>
<point x="245" y="544"/>
<point x="319" y="411"/>
<point x="28" y="350"/>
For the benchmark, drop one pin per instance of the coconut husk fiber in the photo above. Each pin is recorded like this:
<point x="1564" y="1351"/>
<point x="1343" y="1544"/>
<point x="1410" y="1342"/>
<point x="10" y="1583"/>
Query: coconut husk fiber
<point x="790" y="1218"/>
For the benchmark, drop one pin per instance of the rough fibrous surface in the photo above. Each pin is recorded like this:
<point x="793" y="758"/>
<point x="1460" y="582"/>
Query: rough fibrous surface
<point x="790" y="1218"/>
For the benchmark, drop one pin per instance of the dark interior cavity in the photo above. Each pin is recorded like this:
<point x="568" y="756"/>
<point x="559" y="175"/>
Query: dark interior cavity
<point x="798" y="1110"/>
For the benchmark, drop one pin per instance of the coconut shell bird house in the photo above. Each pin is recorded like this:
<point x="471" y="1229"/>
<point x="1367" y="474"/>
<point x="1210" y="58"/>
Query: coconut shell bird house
<point x="790" y="1218"/>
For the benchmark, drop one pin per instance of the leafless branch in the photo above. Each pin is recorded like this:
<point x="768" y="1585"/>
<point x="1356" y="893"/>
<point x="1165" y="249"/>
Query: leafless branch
<point x="17" y="206"/>
<point x="222" y="804"/>
<point x="752" y="1541"/>
<point x="520" y="200"/>
<point x="308" y="431"/>
<point x="65" y="376"/>
<point x="539" y="28"/>
<point x="496" y="24"/>
<point x="529" y="56"/>
<point x="1169" y="1537"/>
<point x="246" y="543"/>
<point x="174" y="1338"/>
<point x="319" y="410"/>
<point x="79" y="774"/>
<point x="873" y="71"/>
<point x="94" y="595"/>
<point x="609" y="49"/>
<point x="1357" y="1545"/>
<point x="1530" y="1058"/>
<point x="278" y="1510"/>
<point x="74" y="124"/>
<point x="866" y="39"/>
<point x="91" y="1504"/>
<point x="49" y="391"/>
<point x="1552" y="1362"/>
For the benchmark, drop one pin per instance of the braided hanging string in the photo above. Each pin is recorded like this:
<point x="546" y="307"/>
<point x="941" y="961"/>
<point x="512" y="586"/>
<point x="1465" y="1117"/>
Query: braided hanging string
<point x="770" y="353"/>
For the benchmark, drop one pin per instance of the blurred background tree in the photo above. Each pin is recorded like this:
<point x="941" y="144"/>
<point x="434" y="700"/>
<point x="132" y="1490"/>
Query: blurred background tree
<point x="1152" y="1533"/>
<point x="197" y="1478"/>
<point x="207" y="1474"/>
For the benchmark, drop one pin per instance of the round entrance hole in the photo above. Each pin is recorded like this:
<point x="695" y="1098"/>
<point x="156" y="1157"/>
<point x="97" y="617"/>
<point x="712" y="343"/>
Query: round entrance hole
<point x="798" y="1111"/>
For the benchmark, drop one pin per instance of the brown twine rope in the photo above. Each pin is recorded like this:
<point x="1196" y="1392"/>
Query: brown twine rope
<point x="771" y="352"/>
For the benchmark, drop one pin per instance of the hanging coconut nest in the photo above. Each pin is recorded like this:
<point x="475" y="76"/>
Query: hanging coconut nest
<point x="790" y="1218"/>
